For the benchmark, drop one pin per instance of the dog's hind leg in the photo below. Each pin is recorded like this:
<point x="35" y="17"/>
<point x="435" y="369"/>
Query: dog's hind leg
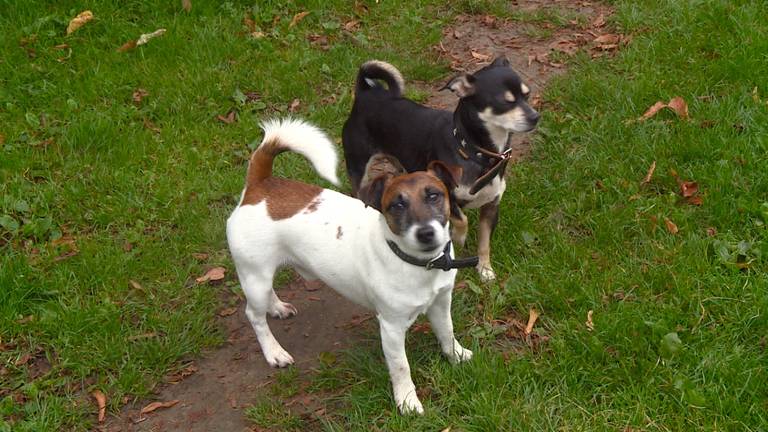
<point x="257" y="287"/>
<point x="459" y="226"/>
<point x="489" y="217"/>
<point x="439" y="314"/>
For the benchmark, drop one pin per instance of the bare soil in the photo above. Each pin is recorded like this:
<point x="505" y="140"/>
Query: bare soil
<point x="223" y="382"/>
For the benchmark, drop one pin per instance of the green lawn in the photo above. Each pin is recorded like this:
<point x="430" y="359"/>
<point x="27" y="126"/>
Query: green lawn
<point x="104" y="200"/>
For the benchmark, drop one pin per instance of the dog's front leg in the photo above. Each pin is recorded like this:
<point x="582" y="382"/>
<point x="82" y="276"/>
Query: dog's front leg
<point x="459" y="226"/>
<point x="489" y="217"/>
<point x="393" y="342"/>
<point x="439" y="314"/>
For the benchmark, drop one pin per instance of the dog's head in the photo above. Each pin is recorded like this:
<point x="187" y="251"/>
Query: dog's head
<point x="498" y="95"/>
<point x="416" y="205"/>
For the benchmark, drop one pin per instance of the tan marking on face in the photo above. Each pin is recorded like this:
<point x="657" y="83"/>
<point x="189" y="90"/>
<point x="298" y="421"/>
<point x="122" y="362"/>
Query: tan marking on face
<point x="525" y="89"/>
<point x="285" y="198"/>
<point x="508" y="96"/>
<point x="412" y="187"/>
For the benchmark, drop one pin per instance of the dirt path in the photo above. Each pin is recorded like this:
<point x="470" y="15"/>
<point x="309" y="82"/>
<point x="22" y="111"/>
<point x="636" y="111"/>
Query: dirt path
<point x="225" y="381"/>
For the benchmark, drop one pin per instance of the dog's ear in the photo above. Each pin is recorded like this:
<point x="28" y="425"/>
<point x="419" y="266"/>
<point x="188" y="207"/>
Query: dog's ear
<point x="371" y="193"/>
<point x="500" y="61"/>
<point x="463" y="85"/>
<point x="448" y="174"/>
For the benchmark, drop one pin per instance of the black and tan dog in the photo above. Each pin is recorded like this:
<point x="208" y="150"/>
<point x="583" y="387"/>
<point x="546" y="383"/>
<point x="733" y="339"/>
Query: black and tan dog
<point x="492" y="105"/>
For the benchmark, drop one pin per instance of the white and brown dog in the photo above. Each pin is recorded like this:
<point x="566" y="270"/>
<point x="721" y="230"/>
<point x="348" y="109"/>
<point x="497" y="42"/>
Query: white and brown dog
<point x="381" y="257"/>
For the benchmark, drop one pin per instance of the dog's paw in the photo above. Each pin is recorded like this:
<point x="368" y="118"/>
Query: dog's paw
<point x="458" y="354"/>
<point x="486" y="273"/>
<point x="282" y="310"/>
<point x="276" y="356"/>
<point x="410" y="404"/>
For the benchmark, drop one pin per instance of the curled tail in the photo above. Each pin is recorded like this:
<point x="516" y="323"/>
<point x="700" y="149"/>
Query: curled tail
<point x="297" y="136"/>
<point x="378" y="70"/>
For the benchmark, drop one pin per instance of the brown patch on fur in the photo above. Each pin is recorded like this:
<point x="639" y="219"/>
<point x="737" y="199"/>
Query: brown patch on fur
<point x="312" y="207"/>
<point x="285" y="198"/>
<point x="339" y="233"/>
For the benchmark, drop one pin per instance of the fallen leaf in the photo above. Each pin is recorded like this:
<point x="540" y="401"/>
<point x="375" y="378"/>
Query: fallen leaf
<point x="180" y="375"/>
<point x="139" y="94"/>
<point x="695" y="200"/>
<point x="480" y="56"/>
<point x="298" y="17"/>
<point x="229" y="118"/>
<point x="146" y="37"/>
<point x="599" y="21"/>
<point x="655" y="108"/>
<point x="79" y="21"/>
<point x="352" y="25"/>
<point x="688" y="189"/>
<point x="711" y="231"/>
<point x="214" y="274"/>
<point x="533" y="315"/>
<point x="200" y="256"/>
<point x="249" y="23"/>
<point x="589" y="323"/>
<point x="24" y="359"/>
<point x="127" y="246"/>
<point x="157" y="405"/>
<point x="294" y="105"/>
<point x="607" y="39"/>
<point x="101" y="402"/>
<point x="228" y="311"/>
<point x="186" y="5"/>
<point x="649" y="174"/>
<point x="678" y="105"/>
<point x="151" y="126"/>
<point x="135" y="285"/>
<point x="671" y="227"/>
<point x="61" y="46"/>
<point x="127" y="46"/>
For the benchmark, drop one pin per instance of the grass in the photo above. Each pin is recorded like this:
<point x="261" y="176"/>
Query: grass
<point x="92" y="198"/>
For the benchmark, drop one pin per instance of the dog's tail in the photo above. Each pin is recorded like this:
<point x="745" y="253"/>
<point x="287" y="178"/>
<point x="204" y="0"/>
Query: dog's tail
<point x="297" y="136"/>
<point x="378" y="70"/>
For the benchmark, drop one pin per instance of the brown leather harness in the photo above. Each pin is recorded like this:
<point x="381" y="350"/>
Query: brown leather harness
<point x="491" y="171"/>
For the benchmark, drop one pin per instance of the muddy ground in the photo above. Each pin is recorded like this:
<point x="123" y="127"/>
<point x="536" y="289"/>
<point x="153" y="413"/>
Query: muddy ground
<point x="218" y="386"/>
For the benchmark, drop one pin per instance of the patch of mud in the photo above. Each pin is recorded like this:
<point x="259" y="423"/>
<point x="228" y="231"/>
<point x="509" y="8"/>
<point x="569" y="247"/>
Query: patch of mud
<point x="224" y="382"/>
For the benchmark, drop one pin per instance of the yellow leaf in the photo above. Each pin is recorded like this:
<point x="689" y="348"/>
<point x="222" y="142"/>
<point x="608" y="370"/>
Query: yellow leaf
<point x="79" y="21"/>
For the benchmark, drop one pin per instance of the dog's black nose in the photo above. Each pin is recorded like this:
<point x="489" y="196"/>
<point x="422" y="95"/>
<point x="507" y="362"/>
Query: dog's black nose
<point x="425" y="234"/>
<point x="534" y="117"/>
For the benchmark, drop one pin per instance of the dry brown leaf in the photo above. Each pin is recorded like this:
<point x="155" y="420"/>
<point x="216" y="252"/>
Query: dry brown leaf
<point x="695" y="200"/>
<point x="678" y="105"/>
<point x="139" y="94"/>
<point x="655" y="108"/>
<point x="671" y="227"/>
<point x="101" y="402"/>
<point x="294" y="105"/>
<point x="599" y="21"/>
<point x="352" y="25"/>
<point x="135" y="285"/>
<point x="127" y="46"/>
<point x="649" y="174"/>
<point x="589" y="323"/>
<point x="24" y="359"/>
<point x="157" y="405"/>
<point x="711" y="231"/>
<point x="79" y="21"/>
<point x="200" y="256"/>
<point x="480" y="56"/>
<point x="229" y="118"/>
<point x="533" y="315"/>
<point x="149" y="124"/>
<point x="186" y="5"/>
<point x="688" y="189"/>
<point x="228" y="311"/>
<point x="607" y="39"/>
<point x="214" y="274"/>
<point x="61" y="46"/>
<point x="298" y="17"/>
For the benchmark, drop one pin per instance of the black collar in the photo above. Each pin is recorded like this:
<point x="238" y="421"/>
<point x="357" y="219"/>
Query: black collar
<point x="470" y="151"/>
<point x="443" y="262"/>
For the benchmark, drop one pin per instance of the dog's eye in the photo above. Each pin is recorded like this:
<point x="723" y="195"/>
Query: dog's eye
<point x="432" y="196"/>
<point x="398" y="206"/>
